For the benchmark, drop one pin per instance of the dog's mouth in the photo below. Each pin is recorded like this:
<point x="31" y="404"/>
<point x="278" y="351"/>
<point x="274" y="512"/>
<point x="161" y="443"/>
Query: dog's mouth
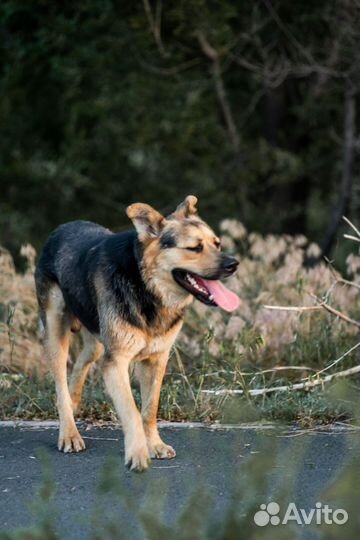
<point x="208" y="291"/>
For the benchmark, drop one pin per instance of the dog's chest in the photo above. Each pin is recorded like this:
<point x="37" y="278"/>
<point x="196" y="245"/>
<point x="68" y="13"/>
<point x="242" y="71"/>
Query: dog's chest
<point x="154" y="345"/>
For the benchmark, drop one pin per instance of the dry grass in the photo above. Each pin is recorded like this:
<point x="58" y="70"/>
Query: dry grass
<point x="215" y="350"/>
<point x="272" y="272"/>
<point x="20" y="348"/>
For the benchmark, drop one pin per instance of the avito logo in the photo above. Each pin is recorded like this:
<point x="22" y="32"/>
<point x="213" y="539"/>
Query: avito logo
<point x="321" y="514"/>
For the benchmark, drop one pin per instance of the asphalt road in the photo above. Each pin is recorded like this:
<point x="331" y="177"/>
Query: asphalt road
<point x="216" y="461"/>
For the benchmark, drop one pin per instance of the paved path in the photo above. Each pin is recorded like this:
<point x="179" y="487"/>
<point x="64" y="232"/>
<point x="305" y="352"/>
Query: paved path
<point x="217" y="460"/>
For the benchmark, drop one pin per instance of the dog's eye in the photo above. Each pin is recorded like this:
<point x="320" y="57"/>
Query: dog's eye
<point x="217" y="244"/>
<point x="197" y="248"/>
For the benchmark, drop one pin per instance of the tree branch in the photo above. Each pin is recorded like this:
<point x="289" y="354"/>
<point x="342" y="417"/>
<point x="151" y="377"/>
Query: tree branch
<point x="155" y="24"/>
<point x="321" y="305"/>
<point x="213" y="55"/>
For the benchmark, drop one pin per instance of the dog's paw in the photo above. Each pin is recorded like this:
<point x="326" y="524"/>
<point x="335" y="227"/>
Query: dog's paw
<point x="138" y="460"/>
<point x="71" y="442"/>
<point x="161" y="450"/>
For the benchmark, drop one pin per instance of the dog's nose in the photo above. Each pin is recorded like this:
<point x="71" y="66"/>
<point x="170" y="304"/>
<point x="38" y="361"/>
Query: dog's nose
<point x="229" y="265"/>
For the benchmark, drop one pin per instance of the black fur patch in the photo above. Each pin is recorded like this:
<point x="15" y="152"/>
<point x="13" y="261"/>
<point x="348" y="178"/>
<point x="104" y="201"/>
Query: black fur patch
<point x="176" y="320"/>
<point x="167" y="240"/>
<point x="79" y="251"/>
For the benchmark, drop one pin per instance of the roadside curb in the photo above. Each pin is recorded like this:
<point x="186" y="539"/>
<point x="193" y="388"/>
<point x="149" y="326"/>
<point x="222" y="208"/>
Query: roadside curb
<point x="163" y="424"/>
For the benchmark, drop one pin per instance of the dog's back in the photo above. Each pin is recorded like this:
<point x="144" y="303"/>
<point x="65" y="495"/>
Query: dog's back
<point x="67" y="246"/>
<point x="67" y="260"/>
<point x="79" y="253"/>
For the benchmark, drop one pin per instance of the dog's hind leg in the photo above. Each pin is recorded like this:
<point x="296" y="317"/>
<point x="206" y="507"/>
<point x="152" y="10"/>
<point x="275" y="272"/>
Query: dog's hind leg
<point x="57" y="339"/>
<point x="92" y="350"/>
<point x="150" y="374"/>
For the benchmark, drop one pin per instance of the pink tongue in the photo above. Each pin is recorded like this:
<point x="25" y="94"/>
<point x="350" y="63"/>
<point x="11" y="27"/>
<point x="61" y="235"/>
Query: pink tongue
<point x="224" y="298"/>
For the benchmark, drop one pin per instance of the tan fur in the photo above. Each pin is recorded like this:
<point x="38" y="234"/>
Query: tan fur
<point x="92" y="350"/>
<point x="150" y="374"/>
<point x="57" y="341"/>
<point x="187" y="208"/>
<point x="159" y="263"/>
<point x="147" y="345"/>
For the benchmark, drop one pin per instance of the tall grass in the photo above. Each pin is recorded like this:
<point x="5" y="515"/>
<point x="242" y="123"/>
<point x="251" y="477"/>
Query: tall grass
<point x="215" y="350"/>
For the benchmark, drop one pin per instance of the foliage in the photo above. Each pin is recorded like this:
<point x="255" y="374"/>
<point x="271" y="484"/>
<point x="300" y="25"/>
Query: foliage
<point x="103" y="103"/>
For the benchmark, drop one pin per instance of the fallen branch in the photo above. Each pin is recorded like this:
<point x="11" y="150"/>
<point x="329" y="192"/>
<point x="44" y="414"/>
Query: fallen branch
<point x="338" y="279"/>
<point x="352" y="226"/>
<point x="350" y="237"/>
<point x="336" y="312"/>
<point x="279" y="368"/>
<point x="321" y="305"/>
<point x="347" y="282"/>
<point x="339" y="314"/>
<point x="262" y="372"/>
<point x="306" y="385"/>
<point x="338" y="359"/>
<point x="293" y="308"/>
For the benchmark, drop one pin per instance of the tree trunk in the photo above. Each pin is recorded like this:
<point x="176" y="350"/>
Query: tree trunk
<point x="346" y="177"/>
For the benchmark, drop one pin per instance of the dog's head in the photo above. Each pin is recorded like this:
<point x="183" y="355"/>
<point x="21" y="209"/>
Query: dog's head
<point x="182" y="256"/>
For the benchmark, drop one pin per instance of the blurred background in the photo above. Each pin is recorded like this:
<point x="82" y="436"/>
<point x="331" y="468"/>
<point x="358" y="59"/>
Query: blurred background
<point x="252" y="106"/>
<point x="249" y="105"/>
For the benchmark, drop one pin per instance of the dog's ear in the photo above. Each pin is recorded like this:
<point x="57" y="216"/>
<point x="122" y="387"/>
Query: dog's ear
<point x="187" y="208"/>
<point x="147" y="221"/>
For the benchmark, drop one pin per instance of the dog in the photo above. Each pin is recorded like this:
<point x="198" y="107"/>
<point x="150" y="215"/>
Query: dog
<point x="126" y="293"/>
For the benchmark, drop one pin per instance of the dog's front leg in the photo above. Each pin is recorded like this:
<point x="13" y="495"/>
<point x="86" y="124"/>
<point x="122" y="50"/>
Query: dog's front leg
<point x="117" y="382"/>
<point x="150" y="374"/>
